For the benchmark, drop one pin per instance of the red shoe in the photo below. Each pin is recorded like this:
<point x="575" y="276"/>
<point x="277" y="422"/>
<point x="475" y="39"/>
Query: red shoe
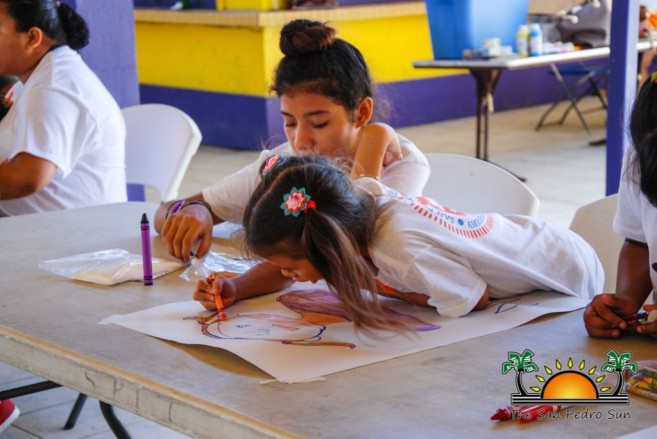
<point x="8" y="413"/>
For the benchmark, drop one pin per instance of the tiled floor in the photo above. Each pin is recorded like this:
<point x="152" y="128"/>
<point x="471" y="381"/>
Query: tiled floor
<point x="560" y="166"/>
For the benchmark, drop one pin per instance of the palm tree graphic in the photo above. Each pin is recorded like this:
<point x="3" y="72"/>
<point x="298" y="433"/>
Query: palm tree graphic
<point x="521" y="363"/>
<point x="618" y="363"/>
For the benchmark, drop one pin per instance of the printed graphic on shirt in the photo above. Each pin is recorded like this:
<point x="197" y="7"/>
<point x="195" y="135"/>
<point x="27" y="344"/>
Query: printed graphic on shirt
<point x="463" y="224"/>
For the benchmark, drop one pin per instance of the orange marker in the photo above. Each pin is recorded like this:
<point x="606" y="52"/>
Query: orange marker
<point x="217" y="298"/>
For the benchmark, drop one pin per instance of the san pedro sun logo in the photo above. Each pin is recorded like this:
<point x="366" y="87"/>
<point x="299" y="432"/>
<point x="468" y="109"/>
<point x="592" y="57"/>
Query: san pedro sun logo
<point x="573" y="384"/>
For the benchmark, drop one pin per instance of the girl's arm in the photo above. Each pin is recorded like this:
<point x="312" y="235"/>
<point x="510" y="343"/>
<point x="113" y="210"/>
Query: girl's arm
<point x="264" y="278"/>
<point x="633" y="279"/>
<point x="24" y="174"/>
<point x="161" y="212"/>
<point x="185" y="225"/>
<point x="423" y="299"/>
<point x="377" y="145"/>
<point x="603" y="317"/>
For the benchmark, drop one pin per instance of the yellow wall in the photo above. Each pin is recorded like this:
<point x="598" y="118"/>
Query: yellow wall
<point x="238" y="52"/>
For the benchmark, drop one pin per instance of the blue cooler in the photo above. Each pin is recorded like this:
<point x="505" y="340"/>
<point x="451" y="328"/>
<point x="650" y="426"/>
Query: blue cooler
<point x="456" y="25"/>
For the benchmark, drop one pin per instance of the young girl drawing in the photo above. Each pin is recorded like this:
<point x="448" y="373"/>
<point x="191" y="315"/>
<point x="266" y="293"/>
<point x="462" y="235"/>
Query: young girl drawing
<point x="635" y="220"/>
<point x="308" y="221"/>
<point x="327" y="102"/>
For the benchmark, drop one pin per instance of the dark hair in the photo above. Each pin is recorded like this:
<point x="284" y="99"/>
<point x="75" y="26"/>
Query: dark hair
<point x="57" y="20"/>
<point x="316" y="61"/>
<point x="643" y="129"/>
<point x="329" y="236"/>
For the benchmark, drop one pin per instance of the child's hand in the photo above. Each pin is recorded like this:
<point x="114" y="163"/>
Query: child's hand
<point x="650" y="327"/>
<point x="603" y="317"/>
<point x="182" y="230"/>
<point x="377" y="145"/>
<point x="216" y="284"/>
<point x="393" y="148"/>
<point x="382" y="134"/>
<point x="393" y="152"/>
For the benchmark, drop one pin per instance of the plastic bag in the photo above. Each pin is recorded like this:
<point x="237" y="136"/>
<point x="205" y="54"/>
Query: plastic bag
<point x="216" y="261"/>
<point x="107" y="267"/>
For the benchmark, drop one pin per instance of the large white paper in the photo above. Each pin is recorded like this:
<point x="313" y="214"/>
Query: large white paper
<point x="302" y="333"/>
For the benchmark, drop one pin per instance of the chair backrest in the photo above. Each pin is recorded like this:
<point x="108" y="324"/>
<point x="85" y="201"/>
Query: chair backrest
<point x="593" y="222"/>
<point x="475" y="186"/>
<point x="160" y="143"/>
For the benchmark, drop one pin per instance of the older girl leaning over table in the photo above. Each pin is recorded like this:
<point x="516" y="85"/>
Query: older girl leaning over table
<point x="327" y="102"/>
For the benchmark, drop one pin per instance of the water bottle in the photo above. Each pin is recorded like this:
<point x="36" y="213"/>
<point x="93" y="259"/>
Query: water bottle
<point x="535" y="40"/>
<point x="522" y="40"/>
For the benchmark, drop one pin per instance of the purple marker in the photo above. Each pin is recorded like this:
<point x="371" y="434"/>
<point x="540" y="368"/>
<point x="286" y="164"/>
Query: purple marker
<point x="146" y="250"/>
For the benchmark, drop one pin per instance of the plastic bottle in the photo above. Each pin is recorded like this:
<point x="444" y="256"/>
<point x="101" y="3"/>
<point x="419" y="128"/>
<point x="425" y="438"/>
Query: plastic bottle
<point x="535" y="40"/>
<point x="522" y="40"/>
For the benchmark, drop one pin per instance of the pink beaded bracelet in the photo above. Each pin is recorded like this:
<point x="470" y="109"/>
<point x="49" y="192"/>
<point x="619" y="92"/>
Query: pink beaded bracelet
<point x="181" y="204"/>
<point x="196" y="202"/>
<point x="173" y="208"/>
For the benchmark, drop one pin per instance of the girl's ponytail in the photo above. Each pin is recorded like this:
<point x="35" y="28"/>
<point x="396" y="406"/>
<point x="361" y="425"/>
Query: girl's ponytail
<point x="76" y="31"/>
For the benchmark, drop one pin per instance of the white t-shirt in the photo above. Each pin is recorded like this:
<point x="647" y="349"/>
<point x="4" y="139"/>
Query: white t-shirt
<point x="636" y="217"/>
<point x="450" y="256"/>
<point x="65" y="115"/>
<point x="229" y="196"/>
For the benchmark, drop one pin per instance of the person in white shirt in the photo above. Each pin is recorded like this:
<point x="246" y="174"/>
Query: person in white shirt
<point x="307" y="220"/>
<point x="326" y="97"/>
<point x="62" y="141"/>
<point x="636" y="221"/>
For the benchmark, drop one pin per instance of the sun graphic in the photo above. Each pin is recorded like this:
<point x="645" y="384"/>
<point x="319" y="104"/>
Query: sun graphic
<point x="574" y="385"/>
<point x="570" y="384"/>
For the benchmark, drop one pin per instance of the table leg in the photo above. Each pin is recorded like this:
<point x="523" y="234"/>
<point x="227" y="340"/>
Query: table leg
<point x="106" y="409"/>
<point x="28" y="389"/>
<point x="486" y="80"/>
<point x="114" y="424"/>
<point x="75" y="411"/>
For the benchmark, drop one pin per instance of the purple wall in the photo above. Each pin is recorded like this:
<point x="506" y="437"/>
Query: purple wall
<point x="211" y="4"/>
<point x="111" y="53"/>
<point x="248" y="122"/>
<point x="111" y="50"/>
<point x="194" y="4"/>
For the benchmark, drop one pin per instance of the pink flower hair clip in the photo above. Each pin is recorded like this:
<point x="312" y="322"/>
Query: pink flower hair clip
<point x="297" y="201"/>
<point x="271" y="163"/>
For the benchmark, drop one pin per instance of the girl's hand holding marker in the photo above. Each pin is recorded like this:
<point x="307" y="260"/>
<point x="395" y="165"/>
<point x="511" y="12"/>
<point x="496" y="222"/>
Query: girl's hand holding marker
<point x="209" y="292"/>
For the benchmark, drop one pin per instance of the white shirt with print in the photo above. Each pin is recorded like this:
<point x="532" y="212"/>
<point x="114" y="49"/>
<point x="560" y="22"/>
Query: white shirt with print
<point x="451" y="256"/>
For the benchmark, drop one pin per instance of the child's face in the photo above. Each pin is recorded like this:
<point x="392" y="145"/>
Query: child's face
<point x="314" y="124"/>
<point x="12" y="45"/>
<point x="300" y="270"/>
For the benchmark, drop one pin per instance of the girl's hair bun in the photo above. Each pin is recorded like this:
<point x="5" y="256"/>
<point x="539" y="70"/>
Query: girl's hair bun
<point x="302" y="36"/>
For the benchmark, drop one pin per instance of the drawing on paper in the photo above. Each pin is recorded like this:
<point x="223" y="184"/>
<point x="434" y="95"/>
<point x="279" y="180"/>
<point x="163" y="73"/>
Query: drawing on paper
<point x="317" y="308"/>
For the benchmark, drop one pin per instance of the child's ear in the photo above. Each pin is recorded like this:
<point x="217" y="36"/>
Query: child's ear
<point x="34" y="36"/>
<point x="364" y="111"/>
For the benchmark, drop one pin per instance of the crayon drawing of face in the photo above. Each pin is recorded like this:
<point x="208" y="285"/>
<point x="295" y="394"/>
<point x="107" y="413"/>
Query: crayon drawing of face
<point x="267" y="327"/>
<point x="262" y="327"/>
<point x="317" y="309"/>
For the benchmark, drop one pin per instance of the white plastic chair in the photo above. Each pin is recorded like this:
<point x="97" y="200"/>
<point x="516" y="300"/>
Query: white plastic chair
<point x="160" y="142"/>
<point x="475" y="186"/>
<point x="593" y="222"/>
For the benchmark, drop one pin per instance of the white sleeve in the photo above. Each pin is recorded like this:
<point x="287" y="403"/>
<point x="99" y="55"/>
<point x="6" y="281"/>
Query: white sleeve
<point x="628" y="221"/>
<point x="52" y="126"/>
<point x="408" y="175"/>
<point x="229" y="196"/>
